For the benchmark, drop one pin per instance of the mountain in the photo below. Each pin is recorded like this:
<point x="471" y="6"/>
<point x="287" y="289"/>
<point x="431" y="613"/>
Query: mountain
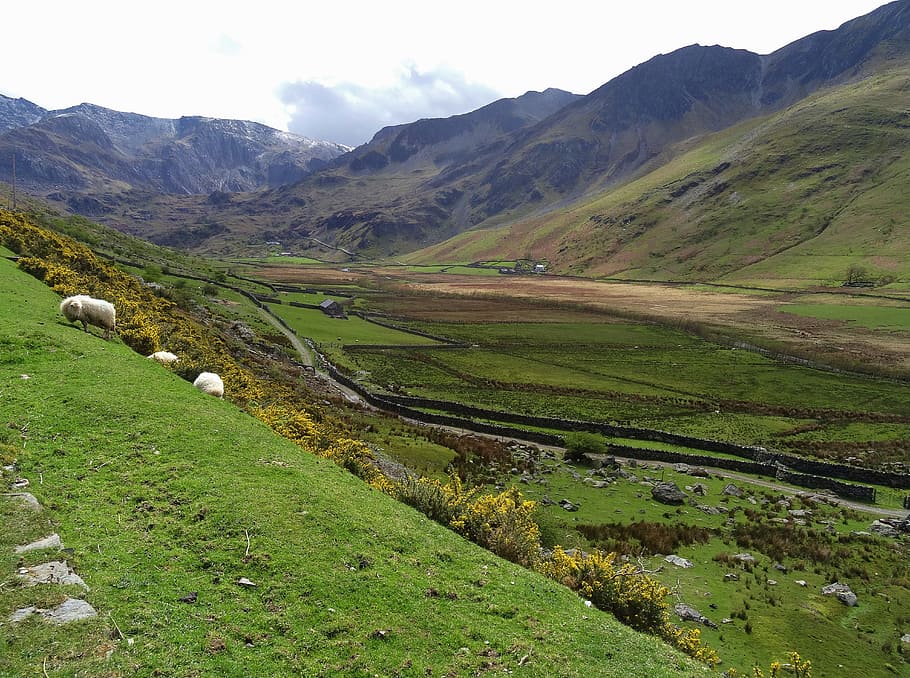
<point x="84" y="154"/>
<point x="515" y="161"/>
<point x="417" y="184"/>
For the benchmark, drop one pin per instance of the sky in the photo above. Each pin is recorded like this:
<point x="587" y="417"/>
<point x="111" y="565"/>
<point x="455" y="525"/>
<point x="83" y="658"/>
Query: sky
<point x="340" y="70"/>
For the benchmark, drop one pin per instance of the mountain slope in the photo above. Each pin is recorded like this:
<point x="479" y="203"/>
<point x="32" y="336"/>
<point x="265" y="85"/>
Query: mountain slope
<point x="802" y="195"/>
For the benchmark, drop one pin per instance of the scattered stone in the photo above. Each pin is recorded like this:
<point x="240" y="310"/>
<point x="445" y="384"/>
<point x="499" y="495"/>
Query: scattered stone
<point x="668" y="493"/>
<point x="710" y="510"/>
<point x="732" y="490"/>
<point x="801" y="582"/>
<point x="189" y="597"/>
<point x="731" y="576"/>
<point x="681" y="468"/>
<point x="699" y="472"/>
<point x="567" y="505"/>
<point x="843" y="593"/>
<point x="54" y="572"/>
<point x="781" y="568"/>
<point x="70" y="610"/>
<point x="884" y="529"/>
<point x="19" y="483"/>
<point x="772" y="582"/>
<point x="26" y="498"/>
<point x="799" y="513"/>
<point x="546" y="501"/>
<point x="678" y="561"/>
<point x="22" y="614"/>
<point x="243" y="581"/>
<point x="688" y="613"/>
<point x="745" y="558"/>
<point x="51" y="542"/>
<point x="700" y="490"/>
<point x="905" y="638"/>
<point x="726" y="620"/>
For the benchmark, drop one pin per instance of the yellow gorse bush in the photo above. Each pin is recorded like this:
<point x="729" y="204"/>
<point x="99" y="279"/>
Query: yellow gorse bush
<point x="631" y="595"/>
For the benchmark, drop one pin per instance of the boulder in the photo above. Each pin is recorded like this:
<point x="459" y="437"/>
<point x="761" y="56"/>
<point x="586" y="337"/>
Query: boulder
<point x="678" y="561"/>
<point x="732" y="491"/>
<point x="842" y="592"/>
<point x="688" y="613"/>
<point x="884" y="529"/>
<point x="668" y="493"/>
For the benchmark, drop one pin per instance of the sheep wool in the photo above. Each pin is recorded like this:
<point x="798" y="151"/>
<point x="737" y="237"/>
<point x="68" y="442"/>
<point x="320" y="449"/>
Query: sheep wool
<point x="90" y="311"/>
<point x="164" y="357"/>
<point x="209" y="382"/>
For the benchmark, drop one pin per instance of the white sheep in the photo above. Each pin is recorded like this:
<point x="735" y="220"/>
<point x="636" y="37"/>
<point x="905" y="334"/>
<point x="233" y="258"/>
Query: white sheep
<point x="90" y="311"/>
<point x="164" y="357"/>
<point x="209" y="382"/>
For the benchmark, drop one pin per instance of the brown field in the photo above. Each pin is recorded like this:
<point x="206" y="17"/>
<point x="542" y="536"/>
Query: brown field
<point x="751" y="317"/>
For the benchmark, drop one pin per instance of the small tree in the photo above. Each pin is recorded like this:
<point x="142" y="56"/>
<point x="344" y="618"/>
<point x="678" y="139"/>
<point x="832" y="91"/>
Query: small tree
<point x="580" y="443"/>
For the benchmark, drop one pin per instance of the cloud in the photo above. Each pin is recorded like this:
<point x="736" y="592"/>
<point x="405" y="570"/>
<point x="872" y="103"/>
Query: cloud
<point x="351" y="114"/>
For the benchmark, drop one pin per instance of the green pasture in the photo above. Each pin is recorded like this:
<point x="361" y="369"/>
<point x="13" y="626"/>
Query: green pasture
<point x="872" y="317"/>
<point x="645" y="375"/>
<point x="334" y="332"/>
<point x="768" y="612"/>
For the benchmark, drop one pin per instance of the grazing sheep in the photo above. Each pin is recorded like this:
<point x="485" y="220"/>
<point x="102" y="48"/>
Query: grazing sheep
<point x="90" y="311"/>
<point x="164" y="357"/>
<point x="209" y="382"/>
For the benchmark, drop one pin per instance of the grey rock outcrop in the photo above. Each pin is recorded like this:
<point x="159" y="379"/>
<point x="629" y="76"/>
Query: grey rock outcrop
<point x="668" y="493"/>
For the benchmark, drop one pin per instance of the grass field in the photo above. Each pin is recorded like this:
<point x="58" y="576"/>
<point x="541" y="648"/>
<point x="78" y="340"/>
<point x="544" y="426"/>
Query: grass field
<point x="872" y="317"/>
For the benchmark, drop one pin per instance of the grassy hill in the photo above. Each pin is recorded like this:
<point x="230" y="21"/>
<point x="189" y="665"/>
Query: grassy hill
<point x="159" y="492"/>
<point x="796" y="198"/>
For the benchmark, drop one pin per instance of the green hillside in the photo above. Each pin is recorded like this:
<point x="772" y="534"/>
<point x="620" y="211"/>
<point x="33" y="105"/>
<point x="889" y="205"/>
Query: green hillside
<point x="165" y="498"/>
<point x="797" y="198"/>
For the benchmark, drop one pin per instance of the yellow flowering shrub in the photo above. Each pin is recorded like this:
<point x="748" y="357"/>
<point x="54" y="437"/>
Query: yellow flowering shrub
<point x="632" y="596"/>
<point x="504" y="524"/>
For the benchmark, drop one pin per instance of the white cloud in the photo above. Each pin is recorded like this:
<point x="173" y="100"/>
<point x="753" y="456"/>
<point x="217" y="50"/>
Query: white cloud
<point x="350" y="114"/>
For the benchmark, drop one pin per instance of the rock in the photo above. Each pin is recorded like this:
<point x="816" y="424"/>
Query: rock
<point x="699" y="472"/>
<point x="842" y="592"/>
<point x="243" y="581"/>
<point x="679" y="562"/>
<point x="731" y="576"/>
<point x="710" y="510"/>
<point x="700" y="490"/>
<point x="799" y="513"/>
<point x="884" y="529"/>
<point x="54" y="572"/>
<point x="801" y="582"/>
<point x="26" y="498"/>
<point x="745" y="558"/>
<point x="780" y="568"/>
<point x="22" y="614"/>
<point x="688" y="613"/>
<point x="567" y="505"/>
<point x="905" y="638"/>
<point x="668" y="493"/>
<point x="681" y="468"/>
<point x="732" y="490"/>
<point x="51" y="542"/>
<point x="772" y="582"/>
<point x="70" y="610"/>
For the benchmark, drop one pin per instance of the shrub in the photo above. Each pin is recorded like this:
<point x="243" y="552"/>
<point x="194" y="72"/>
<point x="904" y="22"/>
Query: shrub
<point x="580" y="443"/>
<point x="635" y="598"/>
